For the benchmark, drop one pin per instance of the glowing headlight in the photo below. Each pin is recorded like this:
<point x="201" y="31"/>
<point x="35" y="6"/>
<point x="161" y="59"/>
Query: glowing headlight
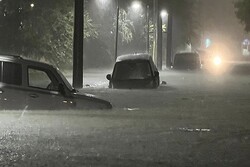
<point x="217" y="60"/>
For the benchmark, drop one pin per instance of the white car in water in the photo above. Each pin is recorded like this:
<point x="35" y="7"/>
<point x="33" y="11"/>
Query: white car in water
<point x="26" y="84"/>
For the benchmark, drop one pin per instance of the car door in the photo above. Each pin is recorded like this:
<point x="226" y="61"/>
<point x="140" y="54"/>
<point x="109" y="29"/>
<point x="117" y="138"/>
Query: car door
<point x="12" y="93"/>
<point x="43" y="91"/>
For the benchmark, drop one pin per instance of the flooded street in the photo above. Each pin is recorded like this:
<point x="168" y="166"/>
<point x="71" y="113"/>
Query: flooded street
<point x="184" y="123"/>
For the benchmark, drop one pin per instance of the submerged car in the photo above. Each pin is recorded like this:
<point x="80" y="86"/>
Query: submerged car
<point x="187" y="61"/>
<point x="134" y="71"/>
<point x="26" y="84"/>
<point x="240" y="68"/>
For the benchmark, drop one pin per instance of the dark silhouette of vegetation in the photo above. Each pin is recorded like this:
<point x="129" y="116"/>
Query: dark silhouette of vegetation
<point x="43" y="31"/>
<point x="243" y="12"/>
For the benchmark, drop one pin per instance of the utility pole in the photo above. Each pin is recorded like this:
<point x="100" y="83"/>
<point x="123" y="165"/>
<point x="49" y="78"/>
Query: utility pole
<point x="148" y="37"/>
<point x="117" y="29"/>
<point x="169" y="39"/>
<point x="154" y="50"/>
<point x="78" y="45"/>
<point x="159" y="37"/>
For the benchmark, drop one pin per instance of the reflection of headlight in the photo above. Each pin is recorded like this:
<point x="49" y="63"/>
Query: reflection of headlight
<point x="217" y="60"/>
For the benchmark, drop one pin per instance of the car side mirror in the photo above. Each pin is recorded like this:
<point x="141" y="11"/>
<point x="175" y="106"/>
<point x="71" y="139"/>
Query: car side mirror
<point x="61" y="89"/>
<point x="108" y="77"/>
<point x="157" y="74"/>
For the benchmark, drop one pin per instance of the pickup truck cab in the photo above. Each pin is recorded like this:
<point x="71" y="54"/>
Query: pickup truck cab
<point x="31" y="85"/>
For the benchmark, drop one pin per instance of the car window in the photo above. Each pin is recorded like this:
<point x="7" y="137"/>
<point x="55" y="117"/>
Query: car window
<point x="66" y="82"/>
<point x="40" y="79"/>
<point x="12" y="73"/>
<point x="132" y="70"/>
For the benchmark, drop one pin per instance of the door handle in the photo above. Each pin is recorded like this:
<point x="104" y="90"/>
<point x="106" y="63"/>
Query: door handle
<point x="34" y="95"/>
<point x="1" y="91"/>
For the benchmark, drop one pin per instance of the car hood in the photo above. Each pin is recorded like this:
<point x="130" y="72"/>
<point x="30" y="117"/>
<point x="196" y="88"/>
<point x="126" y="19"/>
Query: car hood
<point x="90" y="101"/>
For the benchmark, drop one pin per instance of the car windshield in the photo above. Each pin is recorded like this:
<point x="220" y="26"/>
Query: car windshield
<point x="132" y="70"/>
<point x="66" y="82"/>
<point x="160" y="83"/>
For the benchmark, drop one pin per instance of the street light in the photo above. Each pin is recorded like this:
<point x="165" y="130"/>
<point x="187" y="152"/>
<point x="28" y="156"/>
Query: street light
<point x="169" y="38"/>
<point x="159" y="38"/>
<point x="163" y="29"/>
<point x="136" y="5"/>
<point x="147" y="44"/>
<point x="102" y="1"/>
<point x="32" y="5"/>
<point x="164" y="14"/>
<point x="208" y="42"/>
<point x="103" y="4"/>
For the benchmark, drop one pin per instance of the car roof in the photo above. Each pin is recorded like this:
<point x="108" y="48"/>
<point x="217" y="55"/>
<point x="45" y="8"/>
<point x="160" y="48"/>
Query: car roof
<point x="186" y="53"/>
<point x="136" y="56"/>
<point x="9" y="57"/>
<point x="16" y="58"/>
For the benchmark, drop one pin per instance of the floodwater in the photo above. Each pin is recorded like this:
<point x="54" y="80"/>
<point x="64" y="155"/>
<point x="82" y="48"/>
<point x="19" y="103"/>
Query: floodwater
<point x="193" y="120"/>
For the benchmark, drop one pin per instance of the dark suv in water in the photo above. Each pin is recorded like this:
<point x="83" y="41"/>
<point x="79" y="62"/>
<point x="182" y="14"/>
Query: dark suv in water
<point x="26" y="84"/>
<point x="134" y="71"/>
<point x="187" y="61"/>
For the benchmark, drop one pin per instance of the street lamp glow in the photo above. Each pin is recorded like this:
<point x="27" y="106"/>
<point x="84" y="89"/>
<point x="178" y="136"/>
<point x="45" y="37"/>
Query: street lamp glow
<point x="103" y="4"/>
<point x="136" y="5"/>
<point x="32" y="5"/>
<point x="164" y="13"/>
<point x="103" y="1"/>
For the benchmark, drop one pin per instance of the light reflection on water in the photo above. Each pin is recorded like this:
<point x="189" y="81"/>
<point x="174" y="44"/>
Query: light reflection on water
<point x="194" y="129"/>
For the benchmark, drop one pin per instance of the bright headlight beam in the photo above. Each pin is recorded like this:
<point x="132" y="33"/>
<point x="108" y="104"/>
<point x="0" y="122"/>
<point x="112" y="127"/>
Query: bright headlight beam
<point x="217" y="60"/>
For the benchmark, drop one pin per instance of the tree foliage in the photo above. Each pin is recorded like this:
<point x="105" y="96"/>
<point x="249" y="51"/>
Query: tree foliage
<point x="43" y="32"/>
<point x="185" y="13"/>
<point x="90" y="29"/>
<point x="243" y="12"/>
<point x="126" y="26"/>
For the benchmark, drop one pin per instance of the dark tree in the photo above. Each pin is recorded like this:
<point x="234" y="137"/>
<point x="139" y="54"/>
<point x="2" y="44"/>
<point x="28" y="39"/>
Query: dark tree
<point x="41" y="29"/>
<point x="243" y="12"/>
